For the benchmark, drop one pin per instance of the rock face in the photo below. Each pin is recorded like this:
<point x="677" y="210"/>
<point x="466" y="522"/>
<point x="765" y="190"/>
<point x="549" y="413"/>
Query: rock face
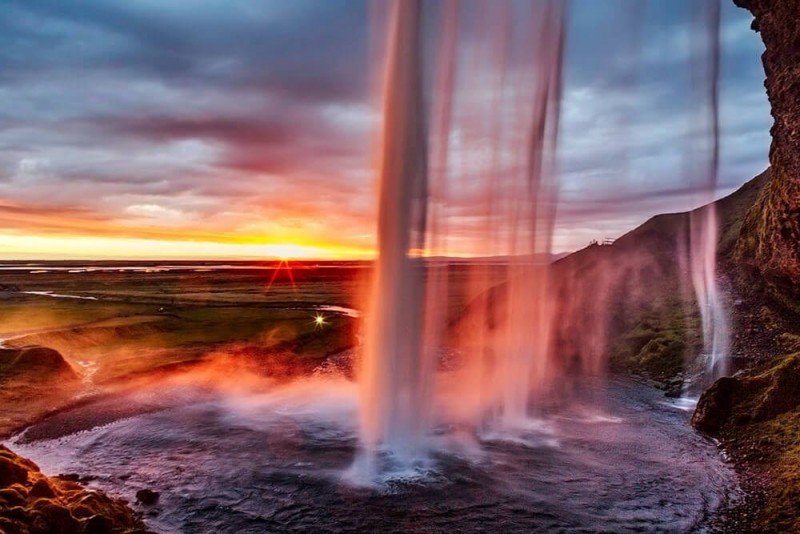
<point x="770" y="241"/>
<point x="31" y="502"/>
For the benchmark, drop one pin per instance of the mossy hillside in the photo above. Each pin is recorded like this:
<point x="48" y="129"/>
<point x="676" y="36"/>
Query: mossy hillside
<point x="789" y="342"/>
<point x="661" y="343"/>
<point x="779" y="441"/>
<point x="639" y="292"/>
<point x="750" y="245"/>
<point x="33" y="380"/>
<point x="770" y="243"/>
<point x="33" y="362"/>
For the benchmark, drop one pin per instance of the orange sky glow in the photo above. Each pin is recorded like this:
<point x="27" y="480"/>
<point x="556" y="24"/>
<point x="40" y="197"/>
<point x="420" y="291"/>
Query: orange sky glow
<point x="254" y="136"/>
<point x="29" y="233"/>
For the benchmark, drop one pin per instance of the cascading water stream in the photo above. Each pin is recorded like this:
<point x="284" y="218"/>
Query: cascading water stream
<point x="393" y="376"/>
<point x="703" y="225"/>
<point x="504" y="362"/>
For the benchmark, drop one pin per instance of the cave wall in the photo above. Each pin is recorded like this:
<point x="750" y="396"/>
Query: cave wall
<point x="770" y="238"/>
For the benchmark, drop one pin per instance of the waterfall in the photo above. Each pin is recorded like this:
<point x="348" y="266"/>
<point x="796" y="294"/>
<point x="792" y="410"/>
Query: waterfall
<point x="407" y="320"/>
<point x="471" y="106"/>
<point x="393" y="375"/>
<point x="703" y="226"/>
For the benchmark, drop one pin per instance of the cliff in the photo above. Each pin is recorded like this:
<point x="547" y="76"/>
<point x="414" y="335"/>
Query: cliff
<point x="756" y="413"/>
<point x="770" y="243"/>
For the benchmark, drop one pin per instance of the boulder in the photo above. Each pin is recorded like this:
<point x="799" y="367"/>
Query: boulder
<point x="42" y="489"/>
<point x="98" y="524"/>
<point x="715" y="405"/>
<point x="750" y="398"/>
<point x="58" y="518"/>
<point x="11" y="472"/>
<point x="12" y="497"/>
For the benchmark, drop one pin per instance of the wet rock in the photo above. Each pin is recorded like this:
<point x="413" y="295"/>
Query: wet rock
<point x="7" y="525"/>
<point x="82" y="511"/>
<point x="147" y="496"/>
<point x="98" y="524"/>
<point x="68" y="488"/>
<point x="715" y="404"/>
<point x="32" y="503"/>
<point x="17" y="513"/>
<point x="11" y="472"/>
<point x="42" y="489"/>
<point x="59" y="519"/>
<point x="90" y="499"/>
<point x="12" y="497"/>
<point x="72" y="477"/>
<point x="38" y="523"/>
<point x="673" y="389"/>
<point x="5" y="452"/>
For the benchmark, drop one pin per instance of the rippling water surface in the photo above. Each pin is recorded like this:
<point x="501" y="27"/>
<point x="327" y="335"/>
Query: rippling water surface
<point x="276" y="461"/>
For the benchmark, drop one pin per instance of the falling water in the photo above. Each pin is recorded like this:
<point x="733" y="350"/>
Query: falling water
<point x="510" y="340"/>
<point x="501" y="361"/>
<point x="703" y="228"/>
<point x="489" y="120"/>
<point x="394" y="377"/>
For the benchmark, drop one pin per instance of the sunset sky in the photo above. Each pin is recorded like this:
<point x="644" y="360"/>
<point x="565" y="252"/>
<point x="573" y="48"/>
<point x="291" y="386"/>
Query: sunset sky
<point x="244" y="129"/>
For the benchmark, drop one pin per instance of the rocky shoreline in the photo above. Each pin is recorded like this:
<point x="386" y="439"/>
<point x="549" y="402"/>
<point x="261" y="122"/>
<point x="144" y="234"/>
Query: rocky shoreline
<point x="31" y="502"/>
<point x="755" y="415"/>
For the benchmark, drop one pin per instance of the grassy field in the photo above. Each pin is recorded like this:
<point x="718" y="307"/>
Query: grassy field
<point x="129" y="322"/>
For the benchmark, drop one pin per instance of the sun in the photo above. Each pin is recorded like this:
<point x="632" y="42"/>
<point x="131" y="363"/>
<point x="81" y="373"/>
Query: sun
<point x="319" y="320"/>
<point x="287" y="251"/>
